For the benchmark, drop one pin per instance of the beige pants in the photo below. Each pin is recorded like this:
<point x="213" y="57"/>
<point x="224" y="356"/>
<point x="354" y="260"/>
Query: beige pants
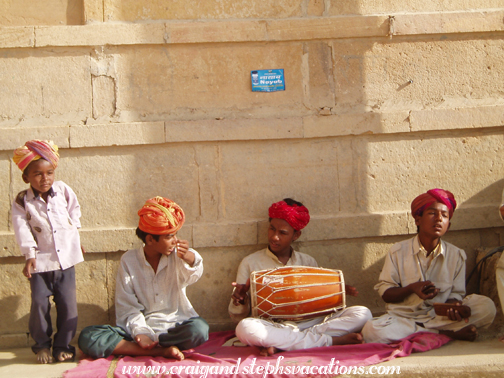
<point x="388" y="328"/>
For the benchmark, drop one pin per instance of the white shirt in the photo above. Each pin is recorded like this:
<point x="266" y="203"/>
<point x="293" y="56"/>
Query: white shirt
<point x="48" y="231"/>
<point x="148" y="302"/>
<point x="260" y="260"/>
<point x="403" y="266"/>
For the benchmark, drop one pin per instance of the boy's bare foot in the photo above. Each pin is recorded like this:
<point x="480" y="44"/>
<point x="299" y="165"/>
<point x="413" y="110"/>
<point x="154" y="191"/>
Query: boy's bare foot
<point x="173" y="352"/>
<point x="501" y="338"/>
<point x="64" y="356"/>
<point x="468" y="333"/>
<point x="349" y="338"/>
<point x="265" y="352"/>
<point x="44" y="356"/>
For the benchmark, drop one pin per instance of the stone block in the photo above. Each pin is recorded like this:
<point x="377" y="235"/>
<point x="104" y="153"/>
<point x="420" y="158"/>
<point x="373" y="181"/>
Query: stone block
<point x="341" y="7"/>
<point x="316" y="8"/>
<point x="93" y="11"/>
<point x="458" y="118"/>
<point x="207" y="157"/>
<point x="229" y="234"/>
<point x="5" y="198"/>
<point x="449" y="22"/>
<point x="276" y="170"/>
<point x="377" y="75"/>
<point x="317" y="63"/>
<point x="100" y="35"/>
<point x="327" y="28"/>
<point x="356" y="226"/>
<point x="16" y="37"/>
<point x="46" y="88"/>
<point x="212" y="32"/>
<point x="8" y="245"/>
<point x="131" y="10"/>
<point x="14" y="296"/>
<point x="355" y="124"/>
<point x="433" y="162"/>
<point x="13" y="138"/>
<point x="104" y="97"/>
<point x="117" y="134"/>
<point x="234" y="129"/>
<point x="44" y="12"/>
<point x="92" y="290"/>
<point x="120" y="179"/>
<point x="212" y="83"/>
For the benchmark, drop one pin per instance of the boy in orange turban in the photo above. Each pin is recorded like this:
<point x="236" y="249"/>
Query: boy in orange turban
<point x="153" y="314"/>
<point x="422" y="271"/>
<point x="46" y="219"/>
<point x="287" y="219"/>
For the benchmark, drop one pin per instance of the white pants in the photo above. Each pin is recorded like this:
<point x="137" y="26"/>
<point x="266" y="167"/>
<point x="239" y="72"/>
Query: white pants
<point x="499" y="276"/>
<point x="389" y="327"/>
<point x="311" y="333"/>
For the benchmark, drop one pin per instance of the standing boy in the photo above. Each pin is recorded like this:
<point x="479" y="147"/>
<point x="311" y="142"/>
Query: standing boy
<point x="287" y="219"/>
<point x="499" y="272"/>
<point x="421" y="271"/>
<point x="45" y="219"/>
<point x="153" y="314"/>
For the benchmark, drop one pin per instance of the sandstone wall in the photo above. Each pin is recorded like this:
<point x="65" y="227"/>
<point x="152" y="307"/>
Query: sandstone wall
<point x="382" y="101"/>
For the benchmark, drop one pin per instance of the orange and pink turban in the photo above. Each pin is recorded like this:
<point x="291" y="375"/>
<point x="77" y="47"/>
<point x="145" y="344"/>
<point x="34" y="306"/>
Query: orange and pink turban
<point x="35" y="150"/>
<point x="297" y="216"/>
<point x="160" y="216"/>
<point x="423" y="201"/>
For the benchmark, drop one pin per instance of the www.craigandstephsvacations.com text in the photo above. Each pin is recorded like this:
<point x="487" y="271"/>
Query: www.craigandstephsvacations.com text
<point x="257" y="370"/>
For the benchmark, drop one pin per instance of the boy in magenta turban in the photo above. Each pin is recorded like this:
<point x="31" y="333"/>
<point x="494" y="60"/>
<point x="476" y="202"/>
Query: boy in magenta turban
<point x="287" y="219"/>
<point x="425" y="270"/>
<point x="153" y="314"/>
<point x="45" y="219"/>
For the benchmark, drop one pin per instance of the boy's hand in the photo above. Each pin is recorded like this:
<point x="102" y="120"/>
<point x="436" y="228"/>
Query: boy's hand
<point x="31" y="264"/>
<point x="240" y="292"/>
<point x="184" y="253"/>
<point x="350" y="290"/>
<point x="453" y="314"/>
<point x="145" y="342"/>
<point x="424" y="289"/>
<point x="82" y="249"/>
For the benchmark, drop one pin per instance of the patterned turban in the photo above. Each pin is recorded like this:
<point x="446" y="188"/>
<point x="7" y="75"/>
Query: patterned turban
<point x="423" y="201"/>
<point x="297" y="216"/>
<point x="35" y="150"/>
<point x="160" y="216"/>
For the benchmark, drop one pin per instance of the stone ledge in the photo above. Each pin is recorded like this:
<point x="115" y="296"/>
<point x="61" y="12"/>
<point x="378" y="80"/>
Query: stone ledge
<point x="117" y="134"/>
<point x="449" y="22"/>
<point x="140" y="133"/>
<point x="13" y="138"/>
<point x="458" y="118"/>
<point x="261" y="30"/>
<point x="253" y="232"/>
<point x="234" y="129"/>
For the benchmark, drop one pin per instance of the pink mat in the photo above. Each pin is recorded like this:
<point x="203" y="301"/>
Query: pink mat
<point x="213" y="360"/>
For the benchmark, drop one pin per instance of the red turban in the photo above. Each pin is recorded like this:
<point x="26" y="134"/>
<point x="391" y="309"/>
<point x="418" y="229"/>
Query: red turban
<point x="34" y="150"/>
<point x="160" y="216"/>
<point x="423" y="201"/>
<point x="297" y="216"/>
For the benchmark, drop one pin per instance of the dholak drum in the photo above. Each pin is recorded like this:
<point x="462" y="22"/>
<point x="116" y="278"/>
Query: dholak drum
<point x="296" y="292"/>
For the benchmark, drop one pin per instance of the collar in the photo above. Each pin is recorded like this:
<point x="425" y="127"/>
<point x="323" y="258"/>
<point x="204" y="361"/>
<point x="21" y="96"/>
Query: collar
<point x="32" y="194"/>
<point x="275" y="258"/>
<point x="419" y="248"/>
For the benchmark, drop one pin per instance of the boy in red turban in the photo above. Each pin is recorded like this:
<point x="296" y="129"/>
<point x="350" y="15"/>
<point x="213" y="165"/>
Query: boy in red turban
<point x="287" y="219"/>
<point x="422" y="271"/>
<point x="153" y="314"/>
